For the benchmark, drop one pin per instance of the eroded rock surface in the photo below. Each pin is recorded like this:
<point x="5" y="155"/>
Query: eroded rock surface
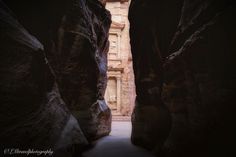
<point x="189" y="47"/>
<point x="81" y="65"/>
<point x="32" y="115"/>
<point x="59" y="106"/>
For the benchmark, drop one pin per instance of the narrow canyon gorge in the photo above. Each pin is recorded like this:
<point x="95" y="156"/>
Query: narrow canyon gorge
<point x="55" y="68"/>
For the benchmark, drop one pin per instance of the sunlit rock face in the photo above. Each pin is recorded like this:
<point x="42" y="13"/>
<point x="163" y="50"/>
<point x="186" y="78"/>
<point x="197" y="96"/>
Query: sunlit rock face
<point x="120" y="92"/>
<point x="185" y="50"/>
<point x="32" y="114"/>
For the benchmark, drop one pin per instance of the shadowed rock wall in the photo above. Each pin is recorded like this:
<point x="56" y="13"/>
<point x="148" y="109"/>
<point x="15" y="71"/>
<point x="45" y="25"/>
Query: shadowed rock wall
<point x="53" y="75"/>
<point x="185" y="50"/>
<point x="33" y="115"/>
<point x="80" y="59"/>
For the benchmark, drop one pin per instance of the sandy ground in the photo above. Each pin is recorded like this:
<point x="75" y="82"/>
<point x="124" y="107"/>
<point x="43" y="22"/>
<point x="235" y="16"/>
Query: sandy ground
<point x="117" y="144"/>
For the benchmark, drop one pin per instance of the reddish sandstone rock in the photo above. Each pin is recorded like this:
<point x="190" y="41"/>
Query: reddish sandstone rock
<point x="32" y="114"/>
<point x="80" y="62"/>
<point x="39" y="103"/>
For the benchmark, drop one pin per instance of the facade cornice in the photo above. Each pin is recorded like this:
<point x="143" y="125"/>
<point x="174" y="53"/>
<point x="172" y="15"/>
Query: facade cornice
<point x="117" y="25"/>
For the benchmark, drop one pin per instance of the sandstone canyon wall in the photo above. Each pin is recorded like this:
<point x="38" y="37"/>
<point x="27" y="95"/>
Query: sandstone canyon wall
<point x="53" y="74"/>
<point x="80" y="58"/>
<point x="184" y="65"/>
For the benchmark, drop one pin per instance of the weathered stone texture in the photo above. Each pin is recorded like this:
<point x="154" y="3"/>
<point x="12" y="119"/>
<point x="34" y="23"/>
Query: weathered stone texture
<point x="32" y="115"/>
<point x="81" y="65"/>
<point x="151" y="119"/>
<point x="60" y="106"/>
<point x="188" y="46"/>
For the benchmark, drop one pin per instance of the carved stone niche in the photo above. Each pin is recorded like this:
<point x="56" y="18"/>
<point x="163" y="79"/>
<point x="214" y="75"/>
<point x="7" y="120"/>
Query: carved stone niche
<point x="114" y="54"/>
<point x="114" y="50"/>
<point x="113" y="92"/>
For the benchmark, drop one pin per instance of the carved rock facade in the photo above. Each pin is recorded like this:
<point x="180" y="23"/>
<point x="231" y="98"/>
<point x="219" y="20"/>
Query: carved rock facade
<point x="120" y="93"/>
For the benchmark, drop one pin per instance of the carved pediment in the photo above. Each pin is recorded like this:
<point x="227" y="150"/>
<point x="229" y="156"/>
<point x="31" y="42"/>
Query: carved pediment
<point x="117" y="25"/>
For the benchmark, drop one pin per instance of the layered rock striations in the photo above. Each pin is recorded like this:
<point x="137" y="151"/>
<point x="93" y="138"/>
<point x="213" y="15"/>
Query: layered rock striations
<point x="188" y="46"/>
